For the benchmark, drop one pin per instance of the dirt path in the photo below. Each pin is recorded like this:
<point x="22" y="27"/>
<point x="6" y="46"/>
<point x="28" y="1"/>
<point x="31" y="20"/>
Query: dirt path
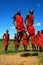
<point x="17" y="59"/>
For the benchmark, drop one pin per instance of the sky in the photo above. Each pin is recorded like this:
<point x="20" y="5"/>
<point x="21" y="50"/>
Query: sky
<point x="8" y="9"/>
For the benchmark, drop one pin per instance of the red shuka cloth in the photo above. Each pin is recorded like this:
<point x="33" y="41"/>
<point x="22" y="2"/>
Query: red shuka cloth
<point x="24" y="40"/>
<point x="31" y="30"/>
<point x="19" y="23"/>
<point x="6" y="39"/>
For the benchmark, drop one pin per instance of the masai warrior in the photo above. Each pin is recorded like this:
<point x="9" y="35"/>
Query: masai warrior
<point x="6" y="40"/>
<point x="30" y="22"/>
<point x="19" y="24"/>
<point x="16" y="43"/>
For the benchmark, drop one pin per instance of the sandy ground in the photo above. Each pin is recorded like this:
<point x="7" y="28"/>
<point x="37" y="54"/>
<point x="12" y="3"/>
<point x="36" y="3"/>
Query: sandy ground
<point x="19" y="59"/>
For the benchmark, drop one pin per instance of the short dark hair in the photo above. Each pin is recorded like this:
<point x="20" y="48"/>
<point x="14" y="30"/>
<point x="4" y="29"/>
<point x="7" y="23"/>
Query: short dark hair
<point x="7" y="30"/>
<point x="31" y="11"/>
<point x="19" y="12"/>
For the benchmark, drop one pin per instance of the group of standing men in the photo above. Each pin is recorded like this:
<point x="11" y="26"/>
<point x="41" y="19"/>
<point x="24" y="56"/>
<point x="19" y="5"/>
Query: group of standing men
<point x="22" y="32"/>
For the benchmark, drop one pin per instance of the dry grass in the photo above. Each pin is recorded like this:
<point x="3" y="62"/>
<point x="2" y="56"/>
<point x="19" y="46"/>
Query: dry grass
<point x="17" y="59"/>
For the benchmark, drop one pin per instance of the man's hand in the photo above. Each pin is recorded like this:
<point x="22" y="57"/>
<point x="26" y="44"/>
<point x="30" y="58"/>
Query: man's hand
<point x="27" y="27"/>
